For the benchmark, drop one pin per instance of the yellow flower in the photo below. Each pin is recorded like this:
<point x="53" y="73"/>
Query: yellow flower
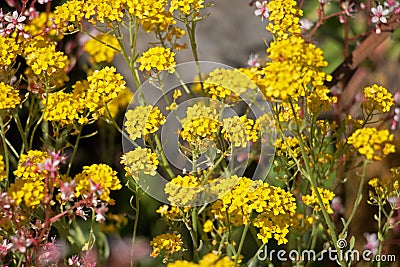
<point x="372" y="143"/>
<point x="29" y="191"/>
<point x="186" y="6"/>
<point x="142" y="121"/>
<point x="120" y="102"/>
<point x="41" y="56"/>
<point x="41" y="24"/>
<point x="99" y="174"/>
<point x="208" y="226"/>
<point x="3" y="174"/>
<point x="312" y="199"/>
<point x="239" y="130"/>
<point x="284" y="18"/>
<point x="226" y="84"/>
<point x="9" y="50"/>
<point x="102" y="49"/>
<point x="208" y="260"/>
<point x="167" y="244"/>
<point x="157" y="59"/>
<point x="200" y="122"/>
<point x="182" y="190"/>
<point x="9" y="97"/>
<point x="69" y="12"/>
<point x="378" y="98"/>
<point x="140" y="160"/>
<point x="104" y="10"/>
<point x="28" y="166"/>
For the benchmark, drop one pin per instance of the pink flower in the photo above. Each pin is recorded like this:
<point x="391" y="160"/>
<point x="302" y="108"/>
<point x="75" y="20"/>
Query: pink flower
<point x="372" y="242"/>
<point x="391" y="5"/>
<point x="379" y="14"/>
<point x="67" y="190"/>
<point x="14" y="21"/>
<point x="262" y="9"/>
<point x="253" y="61"/>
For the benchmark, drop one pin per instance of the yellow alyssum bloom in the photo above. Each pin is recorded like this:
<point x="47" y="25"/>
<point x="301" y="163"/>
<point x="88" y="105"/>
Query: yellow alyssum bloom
<point x="269" y="208"/>
<point x="140" y="160"/>
<point x="208" y="260"/>
<point x="102" y="48"/>
<point x="284" y="18"/>
<point x="239" y="131"/>
<point x="186" y="6"/>
<point x="378" y="98"/>
<point x="372" y="143"/>
<point x="182" y="190"/>
<point x="312" y="200"/>
<point x="227" y="84"/>
<point x="120" y="102"/>
<point x="167" y="243"/>
<point x="71" y="11"/>
<point x="29" y="191"/>
<point x="200" y="122"/>
<point x="41" y="56"/>
<point x="9" y="50"/>
<point x="9" y="96"/>
<point x="104" y="10"/>
<point x="142" y="121"/>
<point x="3" y="174"/>
<point x="157" y="59"/>
<point x="99" y="174"/>
<point x="28" y="165"/>
<point x="37" y="26"/>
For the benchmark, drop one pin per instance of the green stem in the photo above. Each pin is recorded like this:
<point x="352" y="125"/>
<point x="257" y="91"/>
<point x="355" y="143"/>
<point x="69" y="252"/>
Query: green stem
<point x="246" y="228"/>
<point x="194" y="236"/>
<point x="3" y="138"/>
<point x="78" y="138"/>
<point x="135" y="227"/>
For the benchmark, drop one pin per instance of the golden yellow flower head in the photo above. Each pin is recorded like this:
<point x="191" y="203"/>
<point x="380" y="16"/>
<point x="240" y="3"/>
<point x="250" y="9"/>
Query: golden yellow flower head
<point x="312" y="200"/>
<point x="372" y="143"/>
<point x="103" y="10"/>
<point x="166" y="244"/>
<point x="378" y="98"/>
<point x="102" y="49"/>
<point x="3" y="174"/>
<point x="142" y="121"/>
<point x="140" y="160"/>
<point x="9" y="96"/>
<point x="100" y="175"/>
<point x="9" y="50"/>
<point x="186" y="6"/>
<point x="157" y="59"/>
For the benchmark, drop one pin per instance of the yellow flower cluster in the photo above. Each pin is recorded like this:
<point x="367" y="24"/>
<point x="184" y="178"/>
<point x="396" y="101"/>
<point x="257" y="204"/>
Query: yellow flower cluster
<point x="9" y="97"/>
<point x="103" y="10"/>
<point x="29" y="182"/>
<point x="120" y="102"/>
<point x="200" y="122"/>
<point x="9" y="50"/>
<point x="91" y="95"/>
<point x="166" y="244"/>
<point x="284" y="18"/>
<point x="239" y="130"/>
<point x="182" y="190"/>
<point x="385" y="188"/>
<point x="142" y="121"/>
<point x="71" y="11"/>
<point x="140" y="160"/>
<point x="208" y="260"/>
<point x="312" y="200"/>
<point x="157" y="59"/>
<point x="372" y="143"/>
<point x="3" y="174"/>
<point x="102" y="49"/>
<point x="41" y="24"/>
<point x="41" y="56"/>
<point x="104" y="85"/>
<point x="378" y="98"/>
<point x="151" y="14"/>
<point x="65" y="108"/>
<point x="101" y="175"/>
<point x="226" y="84"/>
<point x="294" y="65"/>
<point x="289" y="147"/>
<point x="273" y="207"/>
<point x="186" y="6"/>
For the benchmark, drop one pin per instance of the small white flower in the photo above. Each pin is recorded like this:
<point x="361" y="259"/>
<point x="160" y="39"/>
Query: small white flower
<point x="306" y="24"/>
<point x="262" y="9"/>
<point x="391" y="5"/>
<point x="14" y="21"/>
<point x="372" y="242"/>
<point x="253" y="61"/>
<point x="379" y="14"/>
